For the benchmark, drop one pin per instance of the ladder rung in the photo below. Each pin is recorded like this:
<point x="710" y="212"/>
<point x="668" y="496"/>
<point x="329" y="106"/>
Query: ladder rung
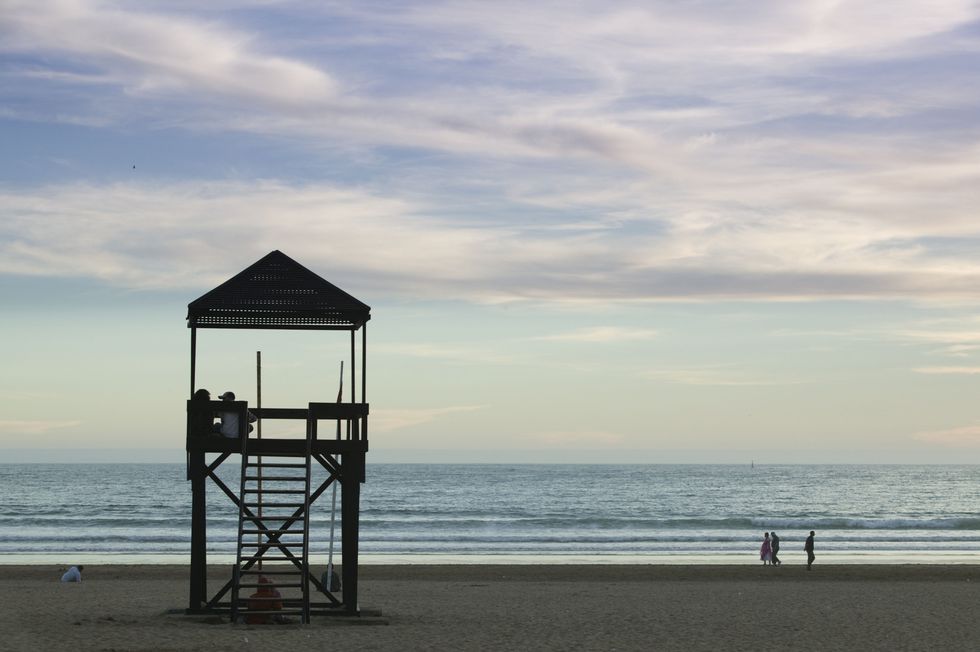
<point x="256" y="585"/>
<point x="272" y="532"/>
<point x="269" y="544"/>
<point x="275" y="505"/>
<point x="275" y="465"/>
<point x="278" y="478"/>
<point x="264" y="558"/>
<point x="275" y="491"/>
<point x="251" y="571"/>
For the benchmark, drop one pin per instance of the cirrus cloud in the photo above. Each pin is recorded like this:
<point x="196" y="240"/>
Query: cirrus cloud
<point x="158" y="54"/>
<point x="962" y="436"/>
<point x="183" y="235"/>
<point x="34" y="427"/>
<point x="626" y="152"/>
<point x="392" y="419"/>
<point x="598" y="334"/>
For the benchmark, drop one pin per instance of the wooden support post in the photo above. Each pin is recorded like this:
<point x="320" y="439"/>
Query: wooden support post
<point x="193" y="359"/>
<point x="353" y="377"/>
<point x="364" y="363"/>
<point x="199" y="561"/>
<point x="351" y="465"/>
<point x="193" y="388"/>
<point x="353" y="369"/>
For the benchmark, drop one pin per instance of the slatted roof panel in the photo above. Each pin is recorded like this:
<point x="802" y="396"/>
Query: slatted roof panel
<point x="277" y="292"/>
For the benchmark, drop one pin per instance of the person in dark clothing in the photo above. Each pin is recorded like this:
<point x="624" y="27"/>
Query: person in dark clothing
<point x="808" y="546"/>
<point x="202" y="419"/>
<point x="775" y="548"/>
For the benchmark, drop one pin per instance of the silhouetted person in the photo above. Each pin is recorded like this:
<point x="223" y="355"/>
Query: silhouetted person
<point x="808" y="546"/>
<point x="202" y="419"/>
<point x="775" y="549"/>
<point x="229" y="420"/>
<point x="74" y="574"/>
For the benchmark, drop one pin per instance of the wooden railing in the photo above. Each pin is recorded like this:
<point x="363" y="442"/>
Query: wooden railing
<point x="202" y="418"/>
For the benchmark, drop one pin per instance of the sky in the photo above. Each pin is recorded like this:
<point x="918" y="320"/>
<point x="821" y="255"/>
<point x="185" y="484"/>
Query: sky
<point x="588" y="231"/>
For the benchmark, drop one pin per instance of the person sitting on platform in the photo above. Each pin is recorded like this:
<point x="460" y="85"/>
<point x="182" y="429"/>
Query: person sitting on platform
<point x="229" y="420"/>
<point x="74" y="574"/>
<point x="267" y="598"/>
<point x="202" y="418"/>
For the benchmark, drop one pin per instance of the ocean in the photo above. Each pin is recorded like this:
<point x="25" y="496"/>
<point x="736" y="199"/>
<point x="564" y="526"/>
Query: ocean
<point x="472" y="513"/>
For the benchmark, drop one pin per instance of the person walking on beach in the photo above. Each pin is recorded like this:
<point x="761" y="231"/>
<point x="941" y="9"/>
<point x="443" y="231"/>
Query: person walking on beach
<point x="808" y="546"/>
<point x="775" y="549"/>
<point x="766" y="551"/>
<point x="74" y="574"/>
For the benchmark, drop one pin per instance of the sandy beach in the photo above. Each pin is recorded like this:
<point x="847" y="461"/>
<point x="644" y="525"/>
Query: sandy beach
<point x="521" y="607"/>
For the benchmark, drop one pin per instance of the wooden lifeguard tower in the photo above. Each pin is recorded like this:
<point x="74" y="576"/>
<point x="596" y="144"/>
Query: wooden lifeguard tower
<point x="275" y="497"/>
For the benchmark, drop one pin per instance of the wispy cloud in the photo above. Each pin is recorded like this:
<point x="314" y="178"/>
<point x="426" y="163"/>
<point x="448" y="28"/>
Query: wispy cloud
<point x="186" y="231"/>
<point x="155" y="55"/>
<point x="962" y="436"/>
<point x="38" y="427"/>
<point x="959" y="350"/>
<point x="714" y="375"/>
<point x="747" y="150"/>
<point x="961" y="371"/>
<point x="957" y="336"/>
<point x="389" y="420"/>
<point x="579" y="85"/>
<point x="577" y="438"/>
<point x="600" y="334"/>
<point x="943" y="335"/>
<point x="448" y="353"/>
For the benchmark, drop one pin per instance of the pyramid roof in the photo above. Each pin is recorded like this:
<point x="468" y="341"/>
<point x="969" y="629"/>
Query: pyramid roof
<point x="277" y="292"/>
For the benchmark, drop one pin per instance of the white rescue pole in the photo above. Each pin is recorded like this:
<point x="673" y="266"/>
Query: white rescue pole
<point x="333" y="518"/>
<point x="333" y="503"/>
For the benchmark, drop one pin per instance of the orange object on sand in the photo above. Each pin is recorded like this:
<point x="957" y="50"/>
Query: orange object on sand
<point x="267" y="598"/>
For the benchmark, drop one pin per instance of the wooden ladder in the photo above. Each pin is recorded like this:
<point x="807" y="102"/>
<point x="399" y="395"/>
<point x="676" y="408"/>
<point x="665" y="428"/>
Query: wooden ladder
<point x="273" y="492"/>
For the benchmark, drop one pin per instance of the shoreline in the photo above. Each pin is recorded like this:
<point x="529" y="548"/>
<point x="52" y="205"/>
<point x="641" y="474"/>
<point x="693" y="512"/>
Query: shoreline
<point x="748" y="559"/>
<point x="539" y="607"/>
<point x="547" y="572"/>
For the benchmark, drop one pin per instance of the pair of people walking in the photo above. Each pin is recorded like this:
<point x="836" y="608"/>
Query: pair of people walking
<point x="770" y="550"/>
